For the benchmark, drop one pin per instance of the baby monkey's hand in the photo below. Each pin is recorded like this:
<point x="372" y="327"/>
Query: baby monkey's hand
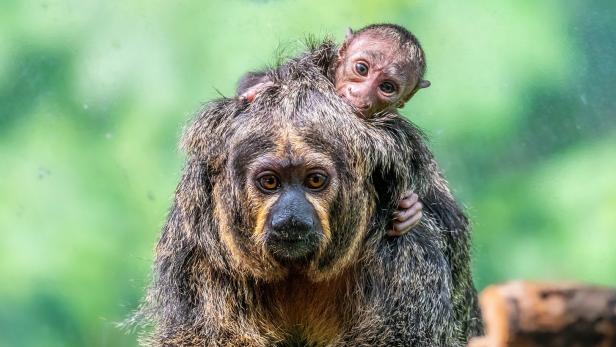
<point x="251" y="93"/>
<point x="407" y="216"/>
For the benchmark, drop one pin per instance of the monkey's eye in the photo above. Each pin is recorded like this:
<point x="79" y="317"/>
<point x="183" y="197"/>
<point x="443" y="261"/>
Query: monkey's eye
<point x="361" y="69"/>
<point x="268" y="183"/>
<point x="387" y="87"/>
<point x="316" y="181"/>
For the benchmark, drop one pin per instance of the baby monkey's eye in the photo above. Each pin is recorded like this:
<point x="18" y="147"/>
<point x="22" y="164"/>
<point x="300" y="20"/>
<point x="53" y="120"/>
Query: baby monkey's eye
<point x="316" y="181"/>
<point x="387" y="87"/>
<point x="268" y="183"/>
<point x="361" y="69"/>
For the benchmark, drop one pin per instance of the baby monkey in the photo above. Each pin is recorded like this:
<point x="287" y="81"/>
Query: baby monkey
<point x="377" y="70"/>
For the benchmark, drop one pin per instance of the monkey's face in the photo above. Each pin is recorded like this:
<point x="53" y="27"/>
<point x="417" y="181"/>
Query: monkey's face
<point x="373" y="75"/>
<point x="290" y="195"/>
<point x="291" y="188"/>
<point x="288" y="200"/>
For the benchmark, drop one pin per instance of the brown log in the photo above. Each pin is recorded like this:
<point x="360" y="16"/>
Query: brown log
<point x="526" y="314"/>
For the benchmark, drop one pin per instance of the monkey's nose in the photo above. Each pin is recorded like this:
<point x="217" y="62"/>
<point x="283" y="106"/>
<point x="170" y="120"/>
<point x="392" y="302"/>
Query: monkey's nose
<point x="291" y="227"/>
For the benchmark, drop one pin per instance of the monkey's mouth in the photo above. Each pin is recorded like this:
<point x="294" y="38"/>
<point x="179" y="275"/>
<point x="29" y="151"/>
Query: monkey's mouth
<point x="290" y="248"/>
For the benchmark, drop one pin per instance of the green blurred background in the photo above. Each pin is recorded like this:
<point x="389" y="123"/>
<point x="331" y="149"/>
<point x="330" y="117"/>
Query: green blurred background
<point x="94" y="95"/>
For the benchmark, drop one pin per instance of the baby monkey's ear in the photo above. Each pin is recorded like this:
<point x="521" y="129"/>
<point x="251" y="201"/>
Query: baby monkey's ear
<point x="347" y="40"/>
<point x="420" y="85"/>
<point x="349" y="34"/>
<point x="423" y="84"/>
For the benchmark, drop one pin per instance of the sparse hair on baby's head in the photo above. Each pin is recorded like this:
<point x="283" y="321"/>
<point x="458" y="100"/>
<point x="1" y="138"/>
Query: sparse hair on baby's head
<point x="409" y="44"/>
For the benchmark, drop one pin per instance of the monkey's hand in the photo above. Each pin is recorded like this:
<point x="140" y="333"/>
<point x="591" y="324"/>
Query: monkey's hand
<point x="251" y="93"/>
<point x="407" y="216"/>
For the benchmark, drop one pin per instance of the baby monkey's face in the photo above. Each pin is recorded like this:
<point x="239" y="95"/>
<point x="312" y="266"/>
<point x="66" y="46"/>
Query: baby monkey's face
<point x="374" y="75"/>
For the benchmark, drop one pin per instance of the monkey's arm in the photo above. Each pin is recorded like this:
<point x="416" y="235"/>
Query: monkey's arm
<point x="413" y="165"/>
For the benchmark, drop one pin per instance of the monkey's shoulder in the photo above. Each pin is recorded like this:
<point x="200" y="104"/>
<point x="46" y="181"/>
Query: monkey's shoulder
<point x="317" y="59"/>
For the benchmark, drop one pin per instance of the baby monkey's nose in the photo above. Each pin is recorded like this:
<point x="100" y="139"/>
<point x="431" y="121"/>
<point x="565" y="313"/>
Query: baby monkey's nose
<point x="354" y="99"/>
<point x="360" y="105"/>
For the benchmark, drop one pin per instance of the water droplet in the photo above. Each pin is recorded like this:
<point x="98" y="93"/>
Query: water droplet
<point x="583" y="98"/>
<point x="42" y="173"/>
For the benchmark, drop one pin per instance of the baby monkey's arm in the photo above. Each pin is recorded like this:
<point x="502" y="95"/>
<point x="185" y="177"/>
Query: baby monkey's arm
<point x="252" y="84"/>
<point x="409" y="213"/>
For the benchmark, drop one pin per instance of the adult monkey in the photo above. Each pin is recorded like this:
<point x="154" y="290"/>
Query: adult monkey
<point x="276" y="232"/>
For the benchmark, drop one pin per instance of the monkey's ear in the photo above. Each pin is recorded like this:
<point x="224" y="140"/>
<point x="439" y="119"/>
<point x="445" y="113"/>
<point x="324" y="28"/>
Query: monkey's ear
<point x="423" y="84"/>
<point x="420" y="85"/>
<point x="349" y="34"/>
<point x="347" y="39"/>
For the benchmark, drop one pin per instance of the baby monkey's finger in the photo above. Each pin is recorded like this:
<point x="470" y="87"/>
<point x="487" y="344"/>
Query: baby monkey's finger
<point x="393" y="232"/>
<point x="408" y="200"/>
<point x="249" y="96"/>
<point x="401" y="228"/>
<point x="404" y="215"/>
<point x="253" y="91"/>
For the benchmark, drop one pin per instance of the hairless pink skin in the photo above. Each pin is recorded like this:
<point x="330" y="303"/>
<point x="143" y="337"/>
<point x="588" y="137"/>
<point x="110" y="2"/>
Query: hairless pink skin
<point x="408" y="215"/>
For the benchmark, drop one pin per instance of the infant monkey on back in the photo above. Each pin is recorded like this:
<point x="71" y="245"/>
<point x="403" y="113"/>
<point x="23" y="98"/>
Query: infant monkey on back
<point x="377" y="69"/>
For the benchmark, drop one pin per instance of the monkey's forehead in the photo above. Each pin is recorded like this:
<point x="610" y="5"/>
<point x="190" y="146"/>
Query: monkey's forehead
<point x="294" y="125"/>
<point x="301" y="109"/>
<point x="289" y="146"/>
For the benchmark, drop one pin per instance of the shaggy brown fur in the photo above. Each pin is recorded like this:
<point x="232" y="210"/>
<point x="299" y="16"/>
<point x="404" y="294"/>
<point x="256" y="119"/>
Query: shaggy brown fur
<point x="215" y="285"/>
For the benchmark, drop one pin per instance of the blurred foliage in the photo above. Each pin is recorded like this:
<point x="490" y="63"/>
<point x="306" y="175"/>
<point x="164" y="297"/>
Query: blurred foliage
<point x="93" y="97"/>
